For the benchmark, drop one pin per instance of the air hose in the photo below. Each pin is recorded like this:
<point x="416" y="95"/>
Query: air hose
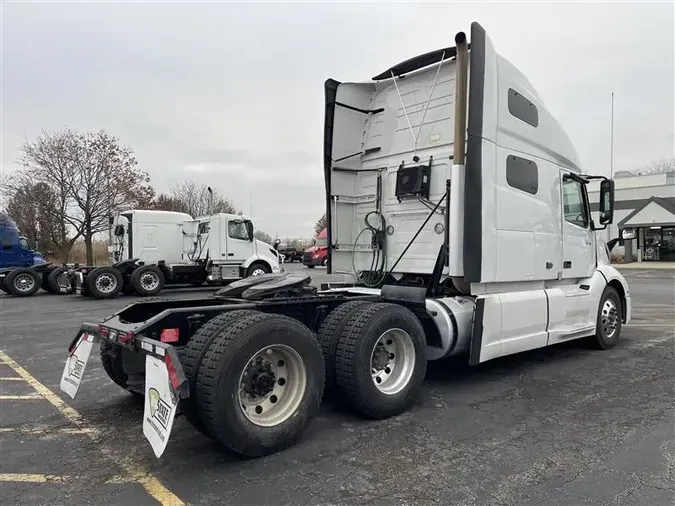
<point x="377" y="272"/>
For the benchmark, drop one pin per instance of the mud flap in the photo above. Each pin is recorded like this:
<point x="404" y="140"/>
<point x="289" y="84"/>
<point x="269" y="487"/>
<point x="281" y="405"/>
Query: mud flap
<point x="77" y="363"/>
<point x="160" y="404"/>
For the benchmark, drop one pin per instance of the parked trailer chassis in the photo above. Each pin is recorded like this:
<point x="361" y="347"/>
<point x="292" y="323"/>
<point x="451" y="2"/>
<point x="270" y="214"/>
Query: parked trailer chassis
<point x="251" y="373"/>
<point x="26" y="281"/>
<point x="133" y="277"/>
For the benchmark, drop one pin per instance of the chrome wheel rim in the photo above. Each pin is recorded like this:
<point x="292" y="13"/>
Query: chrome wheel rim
<point x="272" y="385"/>
<point x="24" y="282"/>
<point x="609" y="318"/>
<point x="106" y="283"/>
<point x="149" y="281"/>
<point x="258" y="272"/>
<point x="392" y="361"/>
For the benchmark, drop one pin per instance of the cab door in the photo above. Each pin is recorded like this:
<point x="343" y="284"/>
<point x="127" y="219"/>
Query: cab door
<point x="578" y="237"/>
<point x="578" y="257"/>
<point x="239" y="243"/>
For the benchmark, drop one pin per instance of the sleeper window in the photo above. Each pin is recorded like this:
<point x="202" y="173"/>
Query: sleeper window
<point x="573" y="203"/>
<point x="237" y="230"/>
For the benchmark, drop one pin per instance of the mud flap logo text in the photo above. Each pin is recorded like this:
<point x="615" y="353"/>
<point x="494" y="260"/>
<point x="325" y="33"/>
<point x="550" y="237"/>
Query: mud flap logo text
<point x="159" y="411"/>
<point x="76" y="367"/>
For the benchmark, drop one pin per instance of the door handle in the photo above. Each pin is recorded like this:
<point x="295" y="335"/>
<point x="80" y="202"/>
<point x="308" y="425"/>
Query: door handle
<point x="230" y="254"/>
<point x="567" y="264"/>
<point x="588" y="243"/>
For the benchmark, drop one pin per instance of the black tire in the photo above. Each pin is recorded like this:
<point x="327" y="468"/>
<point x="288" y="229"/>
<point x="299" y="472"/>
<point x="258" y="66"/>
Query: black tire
<point x="53" y="281"/>
<point x="193" y="354"/>
<point x="111" y="360"/>
<point x="22" y="282"/>
<point x="218" y="383"/>
<point x="310" y="267"/>
<point x="353" y="360"/>
<point x="44" y="282"/>
<point x="147" y="280"/>
<point x="324" y="262"/>
<point x="107" y="274"/>
<point x="610" y="311"/>
<point x="258" y="266"/>
<point x="329" y="333"/>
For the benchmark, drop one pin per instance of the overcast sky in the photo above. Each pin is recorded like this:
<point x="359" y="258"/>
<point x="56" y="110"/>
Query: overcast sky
<point x="232" y="94"/>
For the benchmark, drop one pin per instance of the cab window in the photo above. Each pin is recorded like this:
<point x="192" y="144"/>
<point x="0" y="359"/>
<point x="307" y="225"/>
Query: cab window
<point x="23" y="242"/>
<point x="7" y="242"/>
<point x="574" y="205"/>
<point x="237" y="230"/>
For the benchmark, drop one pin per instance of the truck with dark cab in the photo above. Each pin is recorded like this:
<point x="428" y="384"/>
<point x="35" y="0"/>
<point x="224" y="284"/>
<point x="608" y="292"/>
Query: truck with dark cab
<point x="23" y="270"/>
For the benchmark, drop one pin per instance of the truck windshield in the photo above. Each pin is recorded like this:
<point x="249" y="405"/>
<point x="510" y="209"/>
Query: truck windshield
<point x="321" y="243"/>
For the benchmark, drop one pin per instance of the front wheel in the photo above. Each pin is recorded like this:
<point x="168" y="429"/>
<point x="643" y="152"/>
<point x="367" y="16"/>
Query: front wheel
<point x="258" y="269"/>
<point x="22" y="282"/>
<point x="260" y="383"/>
<point x="608" y="323"/>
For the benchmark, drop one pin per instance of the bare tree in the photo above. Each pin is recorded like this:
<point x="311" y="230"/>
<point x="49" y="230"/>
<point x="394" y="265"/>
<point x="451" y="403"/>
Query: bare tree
<point x="91" y="176"/>
<point x="34" y="209"/>
<point x="320" y="224"/>
<point x="264" y="237"/>
<point x="659" y="167"/>
<point x="193" y="198"/>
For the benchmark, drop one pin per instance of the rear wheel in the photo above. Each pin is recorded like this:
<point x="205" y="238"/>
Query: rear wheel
<point x="608" y="323"/>
<point x="147" y="280"/>
<point x="260" y="383"/>
<point x="59" y="281"/>
<point x="104" y="282"/>
<point x="330" y="331"/>
<point x="381" y="360"/>
<point x="22" y="282"/>
<point x="112" y="362"/>
<point x="44" y="283"/>
<point x="193" y="354"/>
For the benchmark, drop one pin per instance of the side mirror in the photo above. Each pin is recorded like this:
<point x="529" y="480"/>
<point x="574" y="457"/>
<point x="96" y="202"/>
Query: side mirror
<point x="276" y="244"/>
<point x="628" y="234"/>
<point x="606" y="201"/>
<point x="249" y="230"/>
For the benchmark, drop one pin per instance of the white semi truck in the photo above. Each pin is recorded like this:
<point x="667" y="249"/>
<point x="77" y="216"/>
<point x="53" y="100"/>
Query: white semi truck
<point x="458" y="203"/>
<point x="151" y="249"/>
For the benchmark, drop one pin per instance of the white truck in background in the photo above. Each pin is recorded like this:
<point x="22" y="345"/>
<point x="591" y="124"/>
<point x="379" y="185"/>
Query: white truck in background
<point x="457" y="202"/>
<point x="151" y="249"/>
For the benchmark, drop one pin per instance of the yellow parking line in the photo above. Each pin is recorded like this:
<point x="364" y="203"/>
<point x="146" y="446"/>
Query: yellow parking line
<point x="41" y="432"/>
<point x="28" y="397"/>
<point x="152" y="485"/>
<point x="33" y="478"/>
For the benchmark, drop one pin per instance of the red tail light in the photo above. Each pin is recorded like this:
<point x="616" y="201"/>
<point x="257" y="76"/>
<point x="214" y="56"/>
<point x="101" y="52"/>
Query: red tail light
<point x="169" y="335"/>
<point x="102" y="331"/>
<point x="173" y="376"/>
<point x="125" y="337"/>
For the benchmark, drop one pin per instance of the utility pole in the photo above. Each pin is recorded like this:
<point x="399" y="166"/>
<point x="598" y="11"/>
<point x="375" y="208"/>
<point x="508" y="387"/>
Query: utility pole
<point x="611" y="141"/>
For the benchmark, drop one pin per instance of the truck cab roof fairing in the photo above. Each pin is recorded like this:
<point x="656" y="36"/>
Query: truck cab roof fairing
<point x="418" y="62"/>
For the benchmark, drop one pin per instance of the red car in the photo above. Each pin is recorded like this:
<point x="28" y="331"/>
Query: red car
<point x="317" y="254"/>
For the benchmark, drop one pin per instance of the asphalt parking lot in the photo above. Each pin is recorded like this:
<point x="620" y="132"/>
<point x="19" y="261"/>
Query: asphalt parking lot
<point x="554" y="427"/>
